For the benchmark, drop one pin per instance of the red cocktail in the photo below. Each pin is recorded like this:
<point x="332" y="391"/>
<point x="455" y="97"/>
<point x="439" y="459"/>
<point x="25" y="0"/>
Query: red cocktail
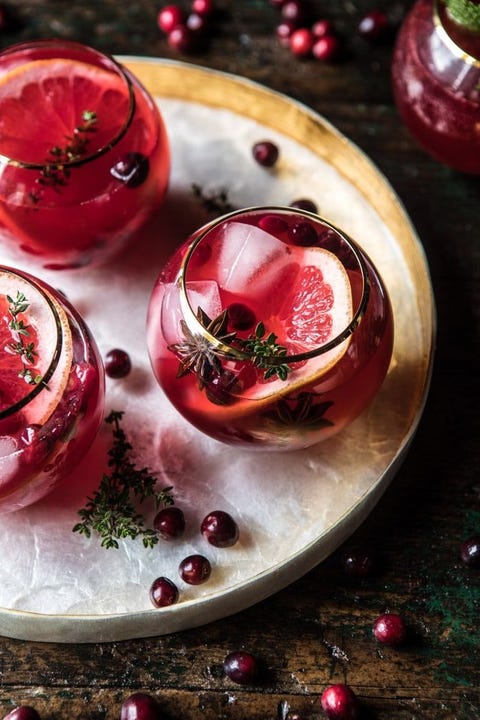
<point x="271" y="328"/>
<point x="51" y="389"/>
<point x="84" y="156"/>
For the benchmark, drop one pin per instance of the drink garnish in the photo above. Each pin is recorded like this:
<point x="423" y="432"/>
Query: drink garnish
<point x="26" y="350"/>
<point x="266" y="352"/>
<point x="111" y="511"/>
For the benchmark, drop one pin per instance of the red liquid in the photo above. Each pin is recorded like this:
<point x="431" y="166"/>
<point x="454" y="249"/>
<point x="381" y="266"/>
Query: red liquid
<point x="436" y="89"/>
<point x="91" y="214"/>
<point x="311" y="411"/>
<point x="43" y="453"/>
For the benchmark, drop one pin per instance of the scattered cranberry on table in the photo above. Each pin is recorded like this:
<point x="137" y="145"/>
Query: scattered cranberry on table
<point x="265" y="153"/>
<point x="326" y="48"/>
<point x="339" y="702"/>
<point x="301" y="42"/>
<point x="219" y="529"/>
<point x="195" y="569"/>
<point x="140" y="706"/>
<point x="169" y="17"/>
<point x="305" y="204"/>
<point x="358" y="561"/>
<point x="470" y="551"/>
<point x="390" y="629"/>
<point x="117" y="363"/>
<point x="241" y="667"/>
<point x="374" y="26"/>
<point x="169" y="522"/>
<point x="186" y="32"/>
<point x="163" y="592"/>
<point x="23" y="712"/>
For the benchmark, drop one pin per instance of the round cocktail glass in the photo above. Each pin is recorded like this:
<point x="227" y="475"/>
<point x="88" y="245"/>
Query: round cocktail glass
<point x="51" y="389"/>
<point x="270" y="328"/>
<point x="84" y="154"/>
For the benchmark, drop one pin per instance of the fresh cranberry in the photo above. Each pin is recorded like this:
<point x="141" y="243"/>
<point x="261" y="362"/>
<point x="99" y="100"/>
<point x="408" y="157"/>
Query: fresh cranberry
<point x="169" y="17"/>
<point x="203" y="7"/>
<point x="140" y="706"/>
<point x="182" y="39"/>
<point x="294" y="11"/>
<point x="339" y="702"/>
<point x="222" y="388"/>
<point x="196" y="23"/>
<point x="470" y="551"/>
<point x="389" y="629"/>
<point x="374" y="25"/>
<point x="358" y="561"/>
<point x="195" y="569"/>
<point x="169" y="522"/>
<point x="305" y="204"/>
<point x="265" y="153"/>
<point x="322" y="28"/>
<point x="22" y="712"/>
<point x="240" y="316"/>
<point x="284" y="32"/>
<point x="117" y="363"/>
<point x="241" y="667"/>
<point x="219" y="529"/>
<point x="303" y="233"/>
<point x="301" y="42"/>
<point x="132" y="169"/>
<point x="326" y="48"/>
<point x="273" y="224"/>
<point x="163" y="592"/>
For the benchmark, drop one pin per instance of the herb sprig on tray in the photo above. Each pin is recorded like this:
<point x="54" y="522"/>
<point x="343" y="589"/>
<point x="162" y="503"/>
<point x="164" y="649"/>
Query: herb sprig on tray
<point x="112" y="510"/>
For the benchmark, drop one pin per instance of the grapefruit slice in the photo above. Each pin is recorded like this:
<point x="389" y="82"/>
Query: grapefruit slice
<point x="43" y="327"/>
<point x="43" y="101"/>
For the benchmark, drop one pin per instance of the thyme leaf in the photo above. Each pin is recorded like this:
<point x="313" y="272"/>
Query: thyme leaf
<point x="25" y="350"/>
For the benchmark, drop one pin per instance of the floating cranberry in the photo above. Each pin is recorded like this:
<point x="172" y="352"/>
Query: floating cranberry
<point x="358" y="561"/>
<point x="132" y="169"/>
<point x="265" y="153"/>
<point x="241" y="667"/>
<point x="470" y="551"/>
<point x="219" y="529"/>
<point x="222" y="388"/>
<point x="390" y="629"/>
<point x="140" y="706"/>
<point x="303" y="233"/>
<point x="374" y="25"/>
<point x="273" y="224"/>
<point x="326" y="48"/>
<point x="117" y="363"/>
<point x="339" y="702"/>
<point x="195" y="569"/>
<point x="169" y="522"/>
<point x="293" y="10"/>
<point x="321" y="28"/>
<point x="203" y="7"/>
<point x="240" y="316"/>
<point x="22" y="712"/>
<point x="182" y="39"/>
<point x="305" y="204"/>
<point x="301" y="42"/>
<point x="163" y="592"/>
<point x="169" y="17"/>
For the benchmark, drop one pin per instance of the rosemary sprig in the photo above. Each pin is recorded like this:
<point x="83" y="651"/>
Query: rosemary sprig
<point x="25" y="350"/>
<point x="111" y="511"/>
<point x="267" y="354"/>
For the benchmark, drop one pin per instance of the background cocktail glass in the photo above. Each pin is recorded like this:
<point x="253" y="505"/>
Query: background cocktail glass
<point x="271" y="328"/>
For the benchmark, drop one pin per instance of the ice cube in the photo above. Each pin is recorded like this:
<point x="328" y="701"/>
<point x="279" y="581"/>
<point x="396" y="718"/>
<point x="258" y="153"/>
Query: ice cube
<point x="248" y="258"/>
<point x="200" y="293"/>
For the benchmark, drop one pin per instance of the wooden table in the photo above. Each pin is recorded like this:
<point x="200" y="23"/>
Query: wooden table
<point x="318" y="630"/>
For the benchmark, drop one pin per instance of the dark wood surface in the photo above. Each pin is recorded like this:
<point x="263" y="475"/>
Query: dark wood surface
<point x="318" y="630"/>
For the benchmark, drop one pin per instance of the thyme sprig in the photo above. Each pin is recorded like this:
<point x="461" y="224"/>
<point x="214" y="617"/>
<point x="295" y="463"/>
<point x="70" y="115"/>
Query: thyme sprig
<point x="112" y="510"/>
<point x="21" y="347"/>
<point x="267" y="354"/>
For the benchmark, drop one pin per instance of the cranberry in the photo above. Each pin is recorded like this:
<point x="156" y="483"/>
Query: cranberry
<point x="303" y="233"/>
<point x="339" y="702"/>
<point x="132" y="169"/>
<point x="374" y="25"/>
<point x="301" y="42"/>
<point x="23" y="712"/>
<point x="241" y="667"/>
<point x="196" y="23"/>
<point x="195" y="569"/>
<point x="140" y="706"/>
<point x="273" y="224"/>
<point x="322" y="28"/>
<point x="389" y="629"/>
<point x="182" y="39"/>
<point x="265" y="153"/>
<point x="169" y="522"/>
<point x="240" y="316"/>
<point x="470" y="551"/>
<point x="163" y="592"/>
<point x="219" y="529"/>
<point x="169" y="17"/>
<point x="305" y="204"/>
<point x="326" y="48"/>
<point x="358" y="561"/>
<point x="221" y="388"/>
<point x="117" y="363"/>
<point x="284" y="31"/>
<point x="293" y="10"/>
<point x="203" y="7"/>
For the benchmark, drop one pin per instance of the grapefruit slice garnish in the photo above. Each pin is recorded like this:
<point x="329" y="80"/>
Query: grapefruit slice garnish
<point x="43" y="101"/>
<point x="45" y="322"/>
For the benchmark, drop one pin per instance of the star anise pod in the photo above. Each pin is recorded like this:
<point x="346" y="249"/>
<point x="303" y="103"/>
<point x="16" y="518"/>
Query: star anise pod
<point x="301" y="411"/>
<point x="197" y="353"/>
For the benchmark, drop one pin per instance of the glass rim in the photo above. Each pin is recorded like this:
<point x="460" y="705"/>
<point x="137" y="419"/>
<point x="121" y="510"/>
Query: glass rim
<point x="448" y="41"/>
<point x="117" y="67"/>
<point x="43" y="384"/>
<point x="234" y="353"/>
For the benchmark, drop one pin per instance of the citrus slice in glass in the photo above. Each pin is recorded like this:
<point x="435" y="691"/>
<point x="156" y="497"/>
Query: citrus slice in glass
<point x="36" y="381"/>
